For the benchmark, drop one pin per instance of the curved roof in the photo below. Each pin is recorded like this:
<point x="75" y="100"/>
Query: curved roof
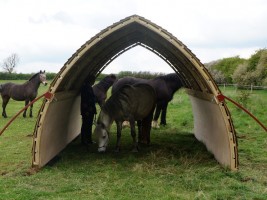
<point x="58" y="122"/>
<point x="104" y="47"/>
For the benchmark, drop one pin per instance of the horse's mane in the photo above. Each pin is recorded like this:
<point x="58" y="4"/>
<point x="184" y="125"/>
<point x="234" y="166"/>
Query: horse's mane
<point x="33" y="76"/>
<point x="115" y="100"/>
<point x="110" y="105"/>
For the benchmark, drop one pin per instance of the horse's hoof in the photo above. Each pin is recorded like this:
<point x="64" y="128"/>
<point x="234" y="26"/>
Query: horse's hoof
<point x="155" y="124"/>
<point x="101" y="150"/>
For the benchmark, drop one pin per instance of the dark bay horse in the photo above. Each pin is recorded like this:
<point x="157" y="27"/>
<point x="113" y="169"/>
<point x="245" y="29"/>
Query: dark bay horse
<point x="132" y="103"/>
<point x="22" y="92"/>
<point x="100" y="89"/>
<point x="165" y="87"/>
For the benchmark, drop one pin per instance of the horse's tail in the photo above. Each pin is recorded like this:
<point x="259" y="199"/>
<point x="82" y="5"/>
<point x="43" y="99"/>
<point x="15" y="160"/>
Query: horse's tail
<point x="1" y="88"/>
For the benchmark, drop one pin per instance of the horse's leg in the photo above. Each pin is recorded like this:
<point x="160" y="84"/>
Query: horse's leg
<point x="101" y="103"/>
<point x="119" y="127"/>
<point x="146" y="128"/>
<point x="156" y="116"/>
<point x="4" y="104"/>
<point x="163" y="114"/>
<point x="25" y="111"/>
<point x="31" y="110"/>
<point x="139" y="125"/>
<point x="135" y="144"/>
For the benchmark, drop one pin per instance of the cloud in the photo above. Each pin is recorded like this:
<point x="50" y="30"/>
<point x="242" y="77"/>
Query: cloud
<point x="62" y="17"/>
<point x="49" y="32"/>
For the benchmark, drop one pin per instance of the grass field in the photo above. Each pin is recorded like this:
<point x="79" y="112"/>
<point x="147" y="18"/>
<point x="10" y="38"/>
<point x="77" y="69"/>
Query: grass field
<point x="174" y="166"/>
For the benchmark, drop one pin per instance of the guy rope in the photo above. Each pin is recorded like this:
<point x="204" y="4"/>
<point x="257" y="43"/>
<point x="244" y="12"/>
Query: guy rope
<point x="221" y="98"/>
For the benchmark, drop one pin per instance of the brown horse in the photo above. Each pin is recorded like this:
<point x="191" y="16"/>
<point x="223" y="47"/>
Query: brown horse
<point x="22" y="92"/>
<point x="132" y="103"/>
<point x="100" y="89"/>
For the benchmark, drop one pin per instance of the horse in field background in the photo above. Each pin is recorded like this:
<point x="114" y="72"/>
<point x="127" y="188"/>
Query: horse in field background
<point x="132" y="103"/>
<point x="100" y="89"/>
<point x="22" y="92"/>
<point x="165" y="87"/>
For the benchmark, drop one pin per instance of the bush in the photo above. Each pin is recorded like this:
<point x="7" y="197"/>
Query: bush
<point x="243" y="97"/>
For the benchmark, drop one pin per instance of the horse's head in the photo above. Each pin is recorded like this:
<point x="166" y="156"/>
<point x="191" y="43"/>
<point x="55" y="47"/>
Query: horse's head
<point x="110" y="79"/>
<point x="113" y="78"/>
<point x="42" y="77"/>
<point x="103" y="137"/>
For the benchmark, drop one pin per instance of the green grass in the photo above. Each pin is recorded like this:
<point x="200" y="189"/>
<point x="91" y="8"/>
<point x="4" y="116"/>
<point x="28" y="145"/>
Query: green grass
<point x="174" y="166"/>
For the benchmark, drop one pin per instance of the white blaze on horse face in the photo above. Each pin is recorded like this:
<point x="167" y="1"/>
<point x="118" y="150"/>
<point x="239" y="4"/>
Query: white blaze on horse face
<point x="43" y="78"/>
<point x="102" y="138"/>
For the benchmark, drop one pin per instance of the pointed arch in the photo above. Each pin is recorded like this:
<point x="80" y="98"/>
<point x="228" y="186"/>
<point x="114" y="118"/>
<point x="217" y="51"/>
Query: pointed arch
<point x="59" y="120"/>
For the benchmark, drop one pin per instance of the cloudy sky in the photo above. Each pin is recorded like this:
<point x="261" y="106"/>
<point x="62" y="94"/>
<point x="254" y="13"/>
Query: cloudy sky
<point x="45" y="33"/>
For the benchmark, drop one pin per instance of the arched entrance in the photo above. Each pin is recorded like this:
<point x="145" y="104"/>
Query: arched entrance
<point x="59" y="119"/>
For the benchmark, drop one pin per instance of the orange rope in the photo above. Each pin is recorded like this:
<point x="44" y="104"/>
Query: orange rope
<point x="47" y="95"/>
<point x="221" y="98"/>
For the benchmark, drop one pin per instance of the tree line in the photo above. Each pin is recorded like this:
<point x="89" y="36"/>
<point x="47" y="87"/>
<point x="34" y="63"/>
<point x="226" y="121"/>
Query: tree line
<point x="233" y="70"/>
<point x="20" y="76"/>
<point x="240" y="71"/>
<point x="51" y="76"/>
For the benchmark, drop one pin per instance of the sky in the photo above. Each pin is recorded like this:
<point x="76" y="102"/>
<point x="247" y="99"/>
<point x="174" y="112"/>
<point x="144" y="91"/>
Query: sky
<point x="45" y="33"/>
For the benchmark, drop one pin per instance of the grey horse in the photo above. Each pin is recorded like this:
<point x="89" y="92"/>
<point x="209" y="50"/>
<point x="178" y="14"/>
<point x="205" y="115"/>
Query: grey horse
<point x="165" y="87"/>
<point x="132" y="103"/>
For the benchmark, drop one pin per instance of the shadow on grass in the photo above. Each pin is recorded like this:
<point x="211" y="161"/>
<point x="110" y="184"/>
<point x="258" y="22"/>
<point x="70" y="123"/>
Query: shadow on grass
<point x="177" y="148"/>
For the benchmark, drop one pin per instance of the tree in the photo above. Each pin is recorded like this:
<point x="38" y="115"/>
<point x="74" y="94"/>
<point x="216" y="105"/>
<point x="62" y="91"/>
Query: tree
<point x="253" y="71"/>
<point x="217" y="75"/>
<point x="224" y="68"/>
<point x="227" y="66"/>
<point x="240" y="74"/>
<point x="10" y="63"/>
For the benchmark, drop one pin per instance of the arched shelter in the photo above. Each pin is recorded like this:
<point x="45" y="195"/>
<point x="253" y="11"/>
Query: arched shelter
<point x="58" y="121"/>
